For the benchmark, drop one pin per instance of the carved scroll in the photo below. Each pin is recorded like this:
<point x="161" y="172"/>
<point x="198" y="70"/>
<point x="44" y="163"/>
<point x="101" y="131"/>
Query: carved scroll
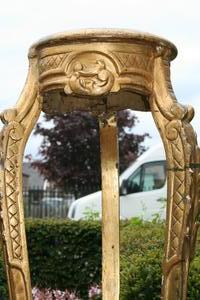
<point x="180" y="143"/>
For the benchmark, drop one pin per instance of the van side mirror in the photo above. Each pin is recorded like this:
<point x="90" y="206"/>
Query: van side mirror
<point x="123" y="188"/>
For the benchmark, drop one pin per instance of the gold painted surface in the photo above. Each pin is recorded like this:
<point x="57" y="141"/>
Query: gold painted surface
<point x="182" y="153"/>
<point x="18" y="125"/>
<point x="110" y="206"/>
<point x="104" y="71"/>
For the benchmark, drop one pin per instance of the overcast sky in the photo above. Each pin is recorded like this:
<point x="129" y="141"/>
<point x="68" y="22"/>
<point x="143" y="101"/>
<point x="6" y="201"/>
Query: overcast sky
<point x="24" y="22"/>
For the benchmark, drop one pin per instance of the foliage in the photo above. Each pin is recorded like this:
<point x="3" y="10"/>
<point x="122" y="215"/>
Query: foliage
<point x="141" y="255"/>
<point x="141" y="259"/>
<point x="138" y="238"/>
<point x="70" y="148"/>
<point x="3" y="282"/>
<point x="141" y="276"/>
<point x="91" y="215"/>
<point x="194" y="278"/>
<point x="67" y="254"/>
<point x="64" y="254"/>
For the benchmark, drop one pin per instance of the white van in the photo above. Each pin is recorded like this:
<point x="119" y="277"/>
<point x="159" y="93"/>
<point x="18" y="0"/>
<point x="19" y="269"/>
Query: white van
<point x="143" y="189"/>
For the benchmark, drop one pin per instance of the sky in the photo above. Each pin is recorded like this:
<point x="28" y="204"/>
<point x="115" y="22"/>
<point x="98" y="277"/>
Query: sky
<point x="24" y="22"/>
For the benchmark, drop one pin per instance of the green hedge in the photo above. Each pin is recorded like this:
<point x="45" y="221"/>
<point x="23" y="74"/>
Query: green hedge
<point x="67" y="254"/>
<point x="141" y="256"/>
<point x="64" y="254"/>
<point x="141" y="259"/>
<point x="3" y="282"/>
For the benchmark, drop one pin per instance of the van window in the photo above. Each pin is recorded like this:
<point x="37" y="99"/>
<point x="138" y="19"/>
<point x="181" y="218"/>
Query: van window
<point x="148" y="177"/>
<point x="134" y="182"/>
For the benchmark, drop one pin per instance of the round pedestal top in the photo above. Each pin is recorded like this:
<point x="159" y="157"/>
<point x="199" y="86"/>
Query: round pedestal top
<point x="104" y="35"/>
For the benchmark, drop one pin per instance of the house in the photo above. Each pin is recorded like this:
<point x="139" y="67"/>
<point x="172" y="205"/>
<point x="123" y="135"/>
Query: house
<point x="32" y="178"/>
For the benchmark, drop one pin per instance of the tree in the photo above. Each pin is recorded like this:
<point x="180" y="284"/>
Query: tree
<point x="70" y="148"/>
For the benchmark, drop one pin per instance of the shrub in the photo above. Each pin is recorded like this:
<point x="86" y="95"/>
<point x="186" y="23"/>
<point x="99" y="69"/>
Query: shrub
<point x="138" y="237"/>
<point x="141" y="258"/>
<point x="194" y="278"/>
<point x="141" y="255"/>
<point x="3" y="282"/>
<point x="141" y="276"/>
<point x="66" y="254"/>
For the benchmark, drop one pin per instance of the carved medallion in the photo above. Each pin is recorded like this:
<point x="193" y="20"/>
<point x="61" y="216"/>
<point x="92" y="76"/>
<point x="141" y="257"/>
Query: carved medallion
<point x="90" y="74"/>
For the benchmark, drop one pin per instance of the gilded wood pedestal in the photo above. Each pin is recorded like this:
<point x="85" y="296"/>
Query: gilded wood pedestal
<point x="103" y="71"/>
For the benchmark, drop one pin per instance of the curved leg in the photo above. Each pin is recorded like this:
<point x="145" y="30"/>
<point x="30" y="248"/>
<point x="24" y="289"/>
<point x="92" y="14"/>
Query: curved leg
<point x="172" y="120"/>
<point x="18" y="125"/>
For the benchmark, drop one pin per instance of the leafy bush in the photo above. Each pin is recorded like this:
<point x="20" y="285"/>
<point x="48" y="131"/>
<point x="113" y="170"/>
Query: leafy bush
<point x="138" y="237"/>
<point x="3" y="282"/>
<point x="141" y="258"/>
<point x="141" y="276"/>
<point x="194" y="278"/>
<point x="67" y="254"/>
<point x="64" y="254"/>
